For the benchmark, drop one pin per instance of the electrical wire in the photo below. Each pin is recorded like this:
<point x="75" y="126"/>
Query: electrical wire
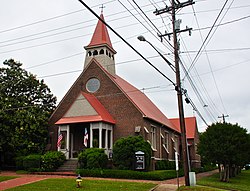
<point x="49" y="19"/>
<point x="197" y="55"/>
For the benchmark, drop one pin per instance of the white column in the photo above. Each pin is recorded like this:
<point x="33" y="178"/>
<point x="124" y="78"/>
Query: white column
<point x="100" y="135"/>
<point x="91" y="135"/>
<point x="106" y="139"/>
<point x="59" y="131"/>
<point x="68" y="142"/>
<point x="111" y="138"/>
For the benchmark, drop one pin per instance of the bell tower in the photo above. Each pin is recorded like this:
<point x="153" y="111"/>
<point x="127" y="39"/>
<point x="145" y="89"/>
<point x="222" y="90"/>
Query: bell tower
<point x="100" y="48"/>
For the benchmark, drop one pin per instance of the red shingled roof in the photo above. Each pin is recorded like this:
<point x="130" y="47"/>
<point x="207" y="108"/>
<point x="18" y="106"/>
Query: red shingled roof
<point x="190" y="124"/>
<point x="143" y="103"/>
<point x="100" y="35"/>
<point x="103" y="114"/>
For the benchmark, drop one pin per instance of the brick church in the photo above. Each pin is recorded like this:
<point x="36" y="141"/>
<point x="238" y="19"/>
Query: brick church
<point x="106" y="107"/>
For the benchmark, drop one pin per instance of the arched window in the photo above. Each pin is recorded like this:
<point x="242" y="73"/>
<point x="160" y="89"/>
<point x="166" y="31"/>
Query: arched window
<point x="95" y="52"/>
<point x="101" y="51"/>
<point x="109" y="55"/>
<point x="107" y="52"/>
<point x="90" y="53"/>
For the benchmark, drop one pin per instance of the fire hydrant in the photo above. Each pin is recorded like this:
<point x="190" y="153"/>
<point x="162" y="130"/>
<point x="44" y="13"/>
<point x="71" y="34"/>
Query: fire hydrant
<point x="78" y="181"/>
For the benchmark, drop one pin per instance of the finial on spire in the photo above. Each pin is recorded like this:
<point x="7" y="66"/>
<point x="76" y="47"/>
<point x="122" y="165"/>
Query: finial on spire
<point x="102" y="7"/>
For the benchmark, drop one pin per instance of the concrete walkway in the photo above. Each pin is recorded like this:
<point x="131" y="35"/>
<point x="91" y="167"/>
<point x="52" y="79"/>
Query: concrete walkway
<point x="170" y="185"/>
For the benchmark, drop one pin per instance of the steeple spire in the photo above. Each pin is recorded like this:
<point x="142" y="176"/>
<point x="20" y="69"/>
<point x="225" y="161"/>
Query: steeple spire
<point x="100" y="47"/>
<point x="101" y="35"/>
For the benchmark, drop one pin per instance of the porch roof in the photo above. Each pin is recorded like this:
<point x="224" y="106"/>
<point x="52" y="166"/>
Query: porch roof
<point x="80" y="119"/>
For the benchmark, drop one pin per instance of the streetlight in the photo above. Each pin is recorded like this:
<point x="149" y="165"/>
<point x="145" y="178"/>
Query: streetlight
<point x="143" y="39"/>
<point x="180" y="107"/>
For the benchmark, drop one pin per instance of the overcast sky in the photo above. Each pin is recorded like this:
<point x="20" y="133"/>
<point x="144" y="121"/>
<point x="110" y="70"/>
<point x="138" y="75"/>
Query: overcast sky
<point x="48" y="37"/>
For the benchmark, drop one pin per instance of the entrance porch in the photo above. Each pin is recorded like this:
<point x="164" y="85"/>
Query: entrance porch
<point x="98" y="134"/>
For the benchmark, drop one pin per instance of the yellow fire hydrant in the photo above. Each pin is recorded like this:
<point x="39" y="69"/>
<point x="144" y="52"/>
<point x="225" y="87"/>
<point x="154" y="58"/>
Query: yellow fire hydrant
<point x="78" y="181"/>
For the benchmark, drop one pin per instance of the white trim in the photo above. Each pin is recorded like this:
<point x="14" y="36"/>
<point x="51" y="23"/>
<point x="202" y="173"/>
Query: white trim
<point x="153" y="149"/>
<point x="164" y="146"/>
<point x="145" y="128"/>
<point x="162" y="135"/>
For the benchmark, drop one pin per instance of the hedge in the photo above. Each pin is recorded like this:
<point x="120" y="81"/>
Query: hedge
<point x="93" y="158"/>
<point x="50" y="161"/>
<point x="129" y="174"/>
<point x="165" y="165"/>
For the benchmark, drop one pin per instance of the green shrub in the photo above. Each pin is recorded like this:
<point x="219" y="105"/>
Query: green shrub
<point x="19" y="163"/>
<point x="165" y="165"/>
<point x="93" y="158"/>
<point x="52" y="160"/>
<point x="130" y="174"/>
<point x="124" y="152"/>
<point x="32" y="161"/>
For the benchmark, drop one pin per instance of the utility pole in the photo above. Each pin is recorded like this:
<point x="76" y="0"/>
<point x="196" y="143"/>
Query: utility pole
<point x="223" y="117"/>
<point x="178" y="88"/>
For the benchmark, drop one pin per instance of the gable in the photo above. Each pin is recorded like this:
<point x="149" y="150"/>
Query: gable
<point x="190" y="124"/>
<point x="80" y="107"/>
<point x="86" y="108"/>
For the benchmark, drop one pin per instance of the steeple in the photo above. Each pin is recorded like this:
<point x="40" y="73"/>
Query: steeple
<point x="100" y="48"/>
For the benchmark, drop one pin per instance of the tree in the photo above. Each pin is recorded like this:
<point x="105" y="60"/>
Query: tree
<point x="25" y="106"/>
<point x="124" y="151"/>
<point x="227" y="145"/>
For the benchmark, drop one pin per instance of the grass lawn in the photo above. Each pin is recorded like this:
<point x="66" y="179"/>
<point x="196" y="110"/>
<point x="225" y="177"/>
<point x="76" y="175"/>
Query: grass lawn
<point x="199" y="188"/>
<point x="66" y="184"/>
<point x="4" y="178"/>
<point x="241" y="183"/>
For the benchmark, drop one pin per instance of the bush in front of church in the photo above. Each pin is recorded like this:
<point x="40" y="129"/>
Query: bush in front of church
<point x="93" y="158"/>
<point x="51" y="160"/>
<point x="124" y="152"/>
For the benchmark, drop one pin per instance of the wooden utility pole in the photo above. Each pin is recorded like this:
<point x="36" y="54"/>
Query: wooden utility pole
<point x="223" y="117"/>
<point x="178" y="88"/>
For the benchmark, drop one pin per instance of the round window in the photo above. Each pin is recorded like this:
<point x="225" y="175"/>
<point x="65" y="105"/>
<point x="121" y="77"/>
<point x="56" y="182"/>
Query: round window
<point x="93" y="85"/>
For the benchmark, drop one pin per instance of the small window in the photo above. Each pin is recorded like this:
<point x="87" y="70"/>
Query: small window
<point x="166" y="139"/>
<point x="107" y="52"/>
<point x="90" y="53"/>
<point x="95" y="52"/>
<point x="153" y="137"/>
<point x="109" y="55"/>
<point x="101" y="51"/>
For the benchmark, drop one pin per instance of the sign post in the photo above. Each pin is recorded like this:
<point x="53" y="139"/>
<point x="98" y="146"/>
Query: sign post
<point x="140" y="160"/>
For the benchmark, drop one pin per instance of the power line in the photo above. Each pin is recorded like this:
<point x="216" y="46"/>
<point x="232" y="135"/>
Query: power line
<point x="140" y="21"/>
<point x="196" y="57"/>
<point x="51" y="18"/>
<point x="71" y="25"/>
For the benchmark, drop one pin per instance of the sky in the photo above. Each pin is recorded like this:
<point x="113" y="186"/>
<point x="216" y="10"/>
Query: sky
<point x="48" y="37"/>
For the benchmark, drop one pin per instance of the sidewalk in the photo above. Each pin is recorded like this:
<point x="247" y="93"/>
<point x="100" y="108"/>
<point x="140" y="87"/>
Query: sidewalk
<point x="25" y="179"/>
<point x="170" y="185"/>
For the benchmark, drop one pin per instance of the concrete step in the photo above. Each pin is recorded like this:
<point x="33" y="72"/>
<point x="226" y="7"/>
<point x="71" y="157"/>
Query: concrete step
<point x="68" y="166"/>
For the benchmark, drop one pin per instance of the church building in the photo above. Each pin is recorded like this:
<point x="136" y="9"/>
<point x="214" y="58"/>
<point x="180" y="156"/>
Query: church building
<point x="102" y="107"/>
